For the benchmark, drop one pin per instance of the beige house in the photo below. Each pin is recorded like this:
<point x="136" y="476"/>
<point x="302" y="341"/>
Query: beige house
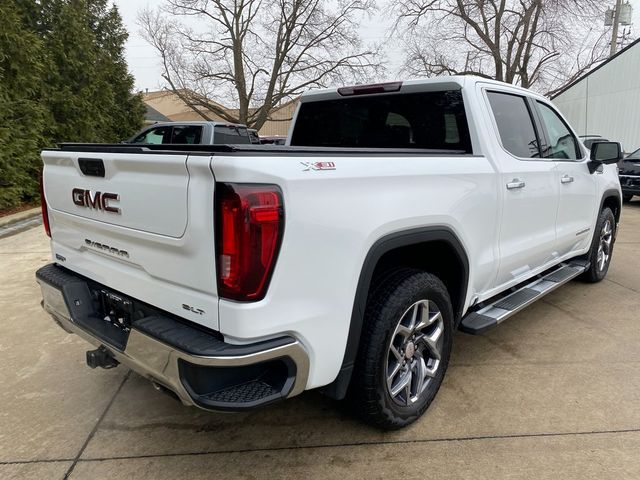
<point x="172" y="107"/>
<point x="278" y="123"/>
<point x="152" y="116"/>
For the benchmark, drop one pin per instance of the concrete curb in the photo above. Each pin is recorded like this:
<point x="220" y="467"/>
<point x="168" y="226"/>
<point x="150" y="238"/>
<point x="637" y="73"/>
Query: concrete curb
<point x="20" y="216"/>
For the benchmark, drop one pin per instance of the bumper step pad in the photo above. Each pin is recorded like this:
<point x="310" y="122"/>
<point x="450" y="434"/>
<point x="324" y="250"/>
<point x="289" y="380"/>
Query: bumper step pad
<point x="496" y="312"/>
<point x="248" y="392"/>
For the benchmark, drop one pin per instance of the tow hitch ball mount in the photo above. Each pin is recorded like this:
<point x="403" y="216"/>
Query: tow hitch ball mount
<point x="101" y="357"/>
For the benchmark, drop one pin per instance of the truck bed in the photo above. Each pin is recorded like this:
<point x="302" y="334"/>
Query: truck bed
<point x="254" y="150"/>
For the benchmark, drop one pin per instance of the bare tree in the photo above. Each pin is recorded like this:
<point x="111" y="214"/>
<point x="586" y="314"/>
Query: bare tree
<point x="256" y="54"/>
<point x="539" y="43"/>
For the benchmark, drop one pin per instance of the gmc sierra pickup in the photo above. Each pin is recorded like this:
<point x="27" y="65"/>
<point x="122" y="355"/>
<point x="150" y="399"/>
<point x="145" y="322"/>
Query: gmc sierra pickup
<point x="236" y="276"/>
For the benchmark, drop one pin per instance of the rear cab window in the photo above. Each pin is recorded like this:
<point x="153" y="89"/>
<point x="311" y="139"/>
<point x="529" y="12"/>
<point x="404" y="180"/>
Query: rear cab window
<point x="515" y="124"/>
<point x="425" y="120"/>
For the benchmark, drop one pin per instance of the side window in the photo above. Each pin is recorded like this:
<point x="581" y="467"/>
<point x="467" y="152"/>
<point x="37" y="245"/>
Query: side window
<point x="562" y="144"/>
<point x="515" y="125"/>
<point x="156" y="135"/>
<point x="187" y="134"/>
<point x="230" y="135"/>
<point x="243" y="134"/>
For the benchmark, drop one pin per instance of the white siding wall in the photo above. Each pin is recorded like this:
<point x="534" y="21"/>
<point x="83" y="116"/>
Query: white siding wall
<point x="607" y="102"/>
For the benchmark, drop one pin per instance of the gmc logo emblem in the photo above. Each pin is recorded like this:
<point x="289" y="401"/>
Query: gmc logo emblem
<point x="96" y="201"/>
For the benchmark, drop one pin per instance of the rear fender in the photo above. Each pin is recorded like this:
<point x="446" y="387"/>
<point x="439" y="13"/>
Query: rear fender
<point x="338" y="388"/>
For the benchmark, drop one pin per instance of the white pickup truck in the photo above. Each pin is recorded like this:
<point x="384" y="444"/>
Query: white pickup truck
<point x="236" y="276"/>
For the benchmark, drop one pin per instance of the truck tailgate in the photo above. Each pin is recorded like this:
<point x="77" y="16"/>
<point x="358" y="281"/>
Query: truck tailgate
<point x="145" y="226"/>
<point x="152" y="191"/>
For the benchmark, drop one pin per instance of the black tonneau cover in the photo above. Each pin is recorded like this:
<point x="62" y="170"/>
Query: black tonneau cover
<point x="257" y="150"/>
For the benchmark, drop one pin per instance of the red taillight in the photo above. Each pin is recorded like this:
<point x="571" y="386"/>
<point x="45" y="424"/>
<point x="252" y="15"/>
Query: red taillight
<point x="249" y="225"/>
<point x="43" y="204"/>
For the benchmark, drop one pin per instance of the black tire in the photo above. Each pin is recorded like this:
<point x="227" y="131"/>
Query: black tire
<point x="626" y="198"/>
<point x="598" y="270"/>
<point x="388" y="301"/>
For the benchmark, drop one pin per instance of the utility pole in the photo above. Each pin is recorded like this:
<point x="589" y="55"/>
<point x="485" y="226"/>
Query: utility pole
<point x="614" y="32"/>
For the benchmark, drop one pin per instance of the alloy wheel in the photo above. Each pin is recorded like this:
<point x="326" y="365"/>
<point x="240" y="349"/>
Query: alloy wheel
<point x="414" y="353"/>
<point x="604" y="246"/>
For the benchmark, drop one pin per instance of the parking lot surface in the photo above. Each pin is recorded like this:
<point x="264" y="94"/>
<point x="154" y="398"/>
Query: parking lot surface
<point x="554" y="392"/>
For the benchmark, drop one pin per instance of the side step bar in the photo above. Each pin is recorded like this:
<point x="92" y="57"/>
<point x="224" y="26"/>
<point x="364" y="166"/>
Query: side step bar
<point x="491" y="315"/>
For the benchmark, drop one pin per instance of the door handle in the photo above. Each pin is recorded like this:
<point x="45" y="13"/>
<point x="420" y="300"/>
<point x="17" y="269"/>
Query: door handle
<point x="515" y="183"/>
<point x="566" y="179"/>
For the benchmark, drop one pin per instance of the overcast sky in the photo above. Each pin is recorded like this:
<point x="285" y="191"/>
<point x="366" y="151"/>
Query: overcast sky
<point x="144" y="62"/>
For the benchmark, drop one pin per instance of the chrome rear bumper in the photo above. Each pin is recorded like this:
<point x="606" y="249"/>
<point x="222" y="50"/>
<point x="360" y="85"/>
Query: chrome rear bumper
<point x="187" y="374"/>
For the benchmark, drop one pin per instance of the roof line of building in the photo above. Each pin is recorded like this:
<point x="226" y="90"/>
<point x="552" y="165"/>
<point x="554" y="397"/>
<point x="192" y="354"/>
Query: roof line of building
<point x="593" y="70"/>
<point x="168" y="91"/>
<point x="154" y="115"/>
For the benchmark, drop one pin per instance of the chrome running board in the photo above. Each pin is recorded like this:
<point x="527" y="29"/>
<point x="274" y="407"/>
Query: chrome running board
<point x="498" y="311"/>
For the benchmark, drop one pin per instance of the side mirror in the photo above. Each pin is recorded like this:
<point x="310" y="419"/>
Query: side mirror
<point x="604" y="153"/>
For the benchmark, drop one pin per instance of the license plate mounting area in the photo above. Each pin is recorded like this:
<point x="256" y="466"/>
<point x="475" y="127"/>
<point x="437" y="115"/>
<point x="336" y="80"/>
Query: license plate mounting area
<point x="117" y="309"/>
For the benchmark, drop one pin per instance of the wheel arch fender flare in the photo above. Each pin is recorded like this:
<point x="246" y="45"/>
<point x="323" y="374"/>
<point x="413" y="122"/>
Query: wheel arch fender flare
<point x="609" y="196"/>
<point x="405" y="238"/>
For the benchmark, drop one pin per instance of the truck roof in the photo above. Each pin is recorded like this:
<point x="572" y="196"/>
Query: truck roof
<point x="445" y="82"/>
